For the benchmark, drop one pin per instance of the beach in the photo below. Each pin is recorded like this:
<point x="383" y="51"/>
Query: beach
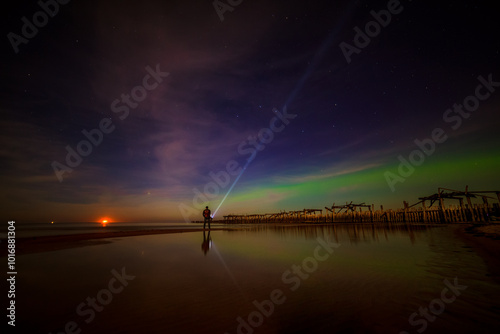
<point x="484" y="238"/>
<point x="341" y="278"/>
<point x="30" y="245"/>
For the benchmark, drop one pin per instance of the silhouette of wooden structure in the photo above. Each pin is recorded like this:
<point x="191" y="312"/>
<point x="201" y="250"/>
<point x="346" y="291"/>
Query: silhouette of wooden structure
<point x="306" y="215"/>
<point x="462" y="212"/>
<point x="429" y="209"/>
<point x="351" y="213"/>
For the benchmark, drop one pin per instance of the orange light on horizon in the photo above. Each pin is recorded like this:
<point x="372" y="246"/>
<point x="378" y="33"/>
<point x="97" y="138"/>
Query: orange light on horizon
<point x="105" y="221"/>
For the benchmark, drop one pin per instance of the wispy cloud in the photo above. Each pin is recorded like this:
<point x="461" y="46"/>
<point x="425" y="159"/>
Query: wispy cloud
<point x="323" y="174"/>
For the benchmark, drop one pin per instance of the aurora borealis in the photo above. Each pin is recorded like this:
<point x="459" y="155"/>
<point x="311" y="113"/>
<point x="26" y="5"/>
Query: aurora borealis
<point x="412" y="69"/>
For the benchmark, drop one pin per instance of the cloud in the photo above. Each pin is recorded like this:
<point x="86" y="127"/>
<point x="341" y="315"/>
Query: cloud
<point x="324" y="174"/>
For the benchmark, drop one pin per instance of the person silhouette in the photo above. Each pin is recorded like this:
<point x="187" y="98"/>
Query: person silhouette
<point x="207" y="243"/>
<point x="206" y="215"/>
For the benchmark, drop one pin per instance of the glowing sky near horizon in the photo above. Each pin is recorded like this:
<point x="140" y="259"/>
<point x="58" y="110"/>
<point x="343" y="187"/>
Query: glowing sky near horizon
<point x="226" y="82"/>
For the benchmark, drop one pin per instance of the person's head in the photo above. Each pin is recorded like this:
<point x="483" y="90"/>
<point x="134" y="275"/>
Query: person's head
<point x="206" y="207"/>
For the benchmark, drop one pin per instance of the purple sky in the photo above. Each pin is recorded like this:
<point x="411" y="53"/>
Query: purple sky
<point x="225" y="78"/>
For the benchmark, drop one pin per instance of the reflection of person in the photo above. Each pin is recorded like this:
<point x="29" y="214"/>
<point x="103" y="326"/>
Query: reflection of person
<point x="206" y="215"/>
<point x="207" y="243"/>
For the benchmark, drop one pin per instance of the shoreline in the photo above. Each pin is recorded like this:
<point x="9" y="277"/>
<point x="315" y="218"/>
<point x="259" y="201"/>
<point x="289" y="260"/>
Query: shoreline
<point x="484" y="239"/>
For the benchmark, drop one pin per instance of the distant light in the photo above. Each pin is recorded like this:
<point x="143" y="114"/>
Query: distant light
<point x="52" y="222"/>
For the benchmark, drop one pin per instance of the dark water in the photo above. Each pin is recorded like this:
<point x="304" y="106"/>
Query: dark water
<point x="316" y="279"/>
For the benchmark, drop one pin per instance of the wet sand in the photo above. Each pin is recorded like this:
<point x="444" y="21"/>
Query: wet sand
<point x="372" y="296"/>
<point x="58" y="242"/>
<point x="483" y="239"/>
<point x="30" y="245"/>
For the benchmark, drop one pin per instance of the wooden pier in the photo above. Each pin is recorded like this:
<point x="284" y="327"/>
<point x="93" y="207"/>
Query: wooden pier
<point x="424" y="211"/>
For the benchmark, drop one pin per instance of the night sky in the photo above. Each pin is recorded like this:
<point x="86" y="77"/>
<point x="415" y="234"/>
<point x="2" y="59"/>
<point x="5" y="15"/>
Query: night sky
<point x="163" y="104"/>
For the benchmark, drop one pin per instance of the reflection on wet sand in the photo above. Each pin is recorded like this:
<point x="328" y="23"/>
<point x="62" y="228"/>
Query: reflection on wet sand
<point x="354" y="232"/>
<point x="207" y="243"/>
<point x="379" y="277"/>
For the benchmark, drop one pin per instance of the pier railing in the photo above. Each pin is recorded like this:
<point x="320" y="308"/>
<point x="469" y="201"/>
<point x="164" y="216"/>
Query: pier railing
<point x="433" y="214"/>
<point x="436" y="212"/>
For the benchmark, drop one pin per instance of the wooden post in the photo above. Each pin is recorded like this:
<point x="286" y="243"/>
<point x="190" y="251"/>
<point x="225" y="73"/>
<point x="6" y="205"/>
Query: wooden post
<point x="424" y="212"/>
<point x="441" y="202"/>
<point x="442" y="212"/>
<point x="469" y="202"/>
<point x="470" y="210"/>
<point x="486" y="209"/>
<point x="405" y="206"/>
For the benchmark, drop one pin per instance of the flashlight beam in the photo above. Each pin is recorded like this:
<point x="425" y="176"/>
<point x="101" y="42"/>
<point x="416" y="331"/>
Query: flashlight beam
<point x="309" y="70"/>
<point x="229" y="272"/>
<point x="232" y="186"/>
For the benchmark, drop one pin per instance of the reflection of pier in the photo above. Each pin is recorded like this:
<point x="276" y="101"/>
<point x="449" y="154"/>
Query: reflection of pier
<point x="432" y="209"/>
<point x="356" y="233"/>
